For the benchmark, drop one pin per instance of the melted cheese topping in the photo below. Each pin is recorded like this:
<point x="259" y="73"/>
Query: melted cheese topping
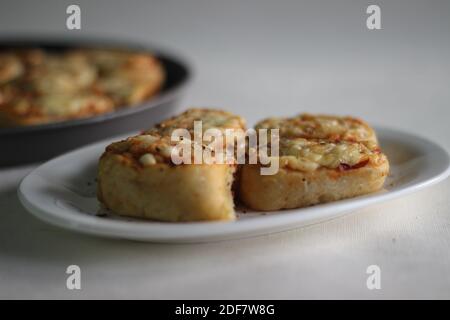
<point x="74" y="103"/>
<point x="64" y="74"/>
<point x="128" y="79"/>
<point x="155" y="145"/>
<point x="309" y="142"/>
<point x="309" y="155"/>
<point x="148" y="149"/>
<point x="210" y="119"/>
<point x="320" y="127"/>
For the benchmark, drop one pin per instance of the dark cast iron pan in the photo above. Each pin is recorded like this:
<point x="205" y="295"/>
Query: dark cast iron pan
<point x="20" y="145"/>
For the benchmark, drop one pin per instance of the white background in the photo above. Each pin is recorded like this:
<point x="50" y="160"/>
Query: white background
<point x="262" y="58"/>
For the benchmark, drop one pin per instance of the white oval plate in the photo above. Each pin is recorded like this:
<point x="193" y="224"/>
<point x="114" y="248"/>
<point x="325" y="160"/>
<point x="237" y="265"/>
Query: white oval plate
<point x="62" y="192"/>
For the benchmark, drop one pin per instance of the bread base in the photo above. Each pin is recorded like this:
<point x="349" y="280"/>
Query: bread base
<point x="165" y="192"/>
<point x="294" y="189"/>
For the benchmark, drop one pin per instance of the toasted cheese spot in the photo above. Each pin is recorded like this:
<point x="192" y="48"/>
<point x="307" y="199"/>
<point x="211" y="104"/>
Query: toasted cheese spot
<point x="147" y="159"/>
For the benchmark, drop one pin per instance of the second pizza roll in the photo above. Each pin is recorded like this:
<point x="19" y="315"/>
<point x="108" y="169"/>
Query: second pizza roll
<point x="321" y="159"/>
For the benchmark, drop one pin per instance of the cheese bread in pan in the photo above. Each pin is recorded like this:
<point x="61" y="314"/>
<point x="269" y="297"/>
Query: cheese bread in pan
<point x="321" y="159"/>
<point x="128" y="78"/>
<point x="138" y="178"/>
<point x="38" y="87"/>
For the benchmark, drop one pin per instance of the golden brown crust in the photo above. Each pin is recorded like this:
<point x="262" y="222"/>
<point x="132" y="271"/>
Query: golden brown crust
<point x="294" y="189"/>
<point x="164" y="192"/>
<point x="39" y="87"/>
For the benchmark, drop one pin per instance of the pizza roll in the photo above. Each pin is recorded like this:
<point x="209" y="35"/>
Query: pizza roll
<point x="138" y="177"/>
<point x="321" y="159"/>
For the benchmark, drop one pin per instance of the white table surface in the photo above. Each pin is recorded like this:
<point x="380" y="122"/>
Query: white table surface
<point x="258" y="58"/>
